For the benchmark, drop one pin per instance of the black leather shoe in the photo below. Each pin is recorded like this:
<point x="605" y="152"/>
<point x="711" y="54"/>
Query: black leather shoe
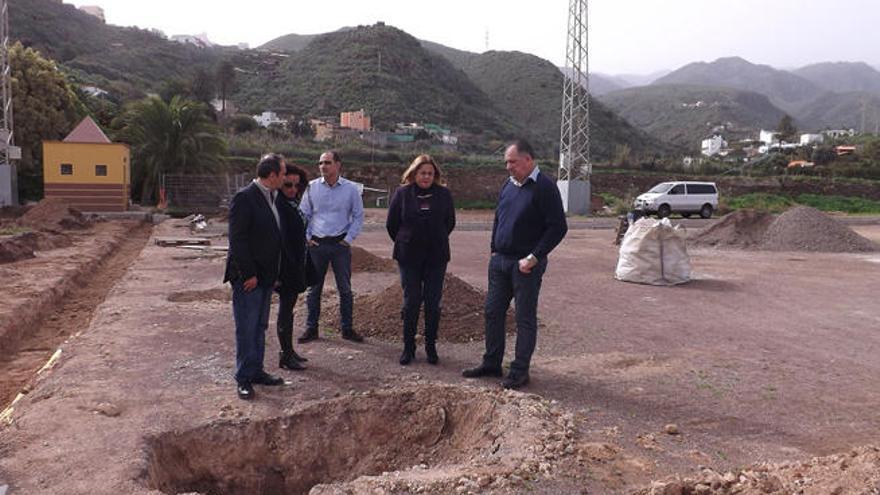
<point x="309" y="335"/>
<point x="298" y="357"/>
<point x="288" y="361"/>
<point x="431" y="353"/>
<point x="515" y="381"/>
<point x="352" y="336"/>
<point x="481" y="370"/>
<point x="268" y="380"/>
<point x="407" y="357"/>
<point x="245" y="391"/>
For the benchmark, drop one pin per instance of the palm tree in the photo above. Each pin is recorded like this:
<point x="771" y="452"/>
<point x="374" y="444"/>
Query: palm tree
<point x="173" y="137"/>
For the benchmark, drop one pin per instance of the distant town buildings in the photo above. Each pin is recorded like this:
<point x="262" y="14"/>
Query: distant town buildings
<point x="94" y="11"/>
<point x="358" y="120"/>
<point x="268" y="118"/>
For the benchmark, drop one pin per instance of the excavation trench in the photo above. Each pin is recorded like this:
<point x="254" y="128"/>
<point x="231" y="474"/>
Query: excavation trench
<point x="339" y="441"/>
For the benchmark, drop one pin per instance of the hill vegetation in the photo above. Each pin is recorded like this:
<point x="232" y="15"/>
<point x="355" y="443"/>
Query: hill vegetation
<point x="126" y="61"/>
<point x="786" y="90"/>
<point x="684" y="115"/>
<point x="842" y="77"/>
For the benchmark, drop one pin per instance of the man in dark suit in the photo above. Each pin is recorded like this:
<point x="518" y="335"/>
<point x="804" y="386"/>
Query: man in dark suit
<point x="252" y="267"/>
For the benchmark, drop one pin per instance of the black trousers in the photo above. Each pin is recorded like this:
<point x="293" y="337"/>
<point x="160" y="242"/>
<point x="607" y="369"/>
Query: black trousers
<point x="421" y="283"/>
<point x="286" y="302"/>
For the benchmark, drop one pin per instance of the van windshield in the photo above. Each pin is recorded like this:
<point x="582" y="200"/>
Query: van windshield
<point x="661" y="188"/>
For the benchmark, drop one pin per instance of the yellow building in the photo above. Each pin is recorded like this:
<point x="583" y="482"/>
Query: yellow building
<point x="87" y="170"/>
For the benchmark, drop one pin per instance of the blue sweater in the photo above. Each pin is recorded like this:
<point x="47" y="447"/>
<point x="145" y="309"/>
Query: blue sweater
<point x="529" y="219"/>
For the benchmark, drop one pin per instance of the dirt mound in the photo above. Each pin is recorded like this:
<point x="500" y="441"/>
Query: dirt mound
<point x="365" y="261"/>
<point x="855" y="472"/>
<point x="219" y="294"/>
<point x="807" y="229"/>
<point x="378" y="315"/>
<point x="432" y="436"/>
<point x="740" y="229"/>
<point x="54" y="214"/>
<point x="24" y="245"/>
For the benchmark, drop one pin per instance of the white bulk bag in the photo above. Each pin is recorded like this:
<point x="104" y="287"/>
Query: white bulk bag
<point x="654" y="252"/>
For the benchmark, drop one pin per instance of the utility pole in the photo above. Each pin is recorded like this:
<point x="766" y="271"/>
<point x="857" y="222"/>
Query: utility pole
<point x="8" y="151"/>
<point x="575" y="168"/>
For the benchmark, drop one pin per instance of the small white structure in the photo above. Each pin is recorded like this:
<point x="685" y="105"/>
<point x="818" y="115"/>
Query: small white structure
<point x="839" y="133"/>
<point x="94" y="91"/>
<point x="768" y="137"/>
<point x="268" y="118"/>
<point x="713" y="145"/>
<point x="808" y="139"/>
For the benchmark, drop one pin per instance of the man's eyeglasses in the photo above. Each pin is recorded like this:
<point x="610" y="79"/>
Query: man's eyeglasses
<point x="325" y="162"/>
<point x="288" y="184"/>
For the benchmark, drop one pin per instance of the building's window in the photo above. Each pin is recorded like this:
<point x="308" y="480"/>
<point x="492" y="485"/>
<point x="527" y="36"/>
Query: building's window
<point x="100" y="170"/>
<point x="66" y="169"/>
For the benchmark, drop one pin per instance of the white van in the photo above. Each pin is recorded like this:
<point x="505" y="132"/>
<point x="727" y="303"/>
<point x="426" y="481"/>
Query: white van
<point x="683" y="197"/>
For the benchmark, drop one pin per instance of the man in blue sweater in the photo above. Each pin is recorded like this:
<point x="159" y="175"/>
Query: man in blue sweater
<point x="529" y="223"/>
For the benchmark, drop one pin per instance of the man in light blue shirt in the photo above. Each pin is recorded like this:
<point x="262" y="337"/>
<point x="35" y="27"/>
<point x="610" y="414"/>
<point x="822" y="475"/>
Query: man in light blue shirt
<point x="335" y="213"/>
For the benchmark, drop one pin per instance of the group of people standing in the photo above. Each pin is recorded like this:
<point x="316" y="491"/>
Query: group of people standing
<point x="284" y="233"/>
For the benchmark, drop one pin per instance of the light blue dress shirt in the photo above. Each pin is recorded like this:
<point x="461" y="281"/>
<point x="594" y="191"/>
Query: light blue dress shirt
<point x="331" y="211"/>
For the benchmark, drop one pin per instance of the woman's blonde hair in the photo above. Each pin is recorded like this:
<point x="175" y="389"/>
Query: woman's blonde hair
<point x="409" y="176"/>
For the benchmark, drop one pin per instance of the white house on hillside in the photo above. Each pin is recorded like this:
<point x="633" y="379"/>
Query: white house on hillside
<point x="268" y="118"/>
<point x="839" y="133"/>
<point x="713" y="145"/>
<point x="808" y="139"/>
<point x="768" y="137"/>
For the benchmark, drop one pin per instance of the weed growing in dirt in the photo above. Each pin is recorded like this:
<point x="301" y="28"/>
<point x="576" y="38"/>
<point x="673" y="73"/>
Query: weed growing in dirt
<point x="14" y="230"/>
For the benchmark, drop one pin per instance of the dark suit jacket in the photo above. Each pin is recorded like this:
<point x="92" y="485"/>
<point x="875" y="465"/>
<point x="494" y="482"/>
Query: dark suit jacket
<point x="417" y="239"/>
<point x="293" y="252"/>
<point x="254" y="239"/>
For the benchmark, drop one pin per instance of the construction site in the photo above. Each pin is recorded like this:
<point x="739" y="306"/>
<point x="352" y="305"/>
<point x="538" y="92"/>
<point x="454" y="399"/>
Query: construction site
<point x="757" y="376"/>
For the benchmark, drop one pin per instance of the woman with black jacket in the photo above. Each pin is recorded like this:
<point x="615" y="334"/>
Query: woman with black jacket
<point x="421" y="216"/>
<point x="293" y="261"/>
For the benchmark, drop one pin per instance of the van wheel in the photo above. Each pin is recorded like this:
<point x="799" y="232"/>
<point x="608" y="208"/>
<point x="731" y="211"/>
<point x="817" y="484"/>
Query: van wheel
<point x="664" y="211"/>
<point x="686" y="215"/>
<point x="706" y="211"/>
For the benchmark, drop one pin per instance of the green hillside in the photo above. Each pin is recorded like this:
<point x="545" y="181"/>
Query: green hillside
<point x="125" y="60"/>
<point x="843" y="111"/>
<point x="379" y="68"/>
<point x="529" y="90"/>
<point x="684" y="115"/>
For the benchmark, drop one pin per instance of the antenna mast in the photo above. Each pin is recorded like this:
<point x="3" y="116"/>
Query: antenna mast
<point x="574" y="142"/>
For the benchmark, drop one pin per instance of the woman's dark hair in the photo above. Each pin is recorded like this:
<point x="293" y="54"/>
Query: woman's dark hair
<point x="292" y="169"/>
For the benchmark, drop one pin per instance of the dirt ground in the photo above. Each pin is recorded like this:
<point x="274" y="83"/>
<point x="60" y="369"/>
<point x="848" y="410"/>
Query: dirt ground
<point x="765" y="356"/>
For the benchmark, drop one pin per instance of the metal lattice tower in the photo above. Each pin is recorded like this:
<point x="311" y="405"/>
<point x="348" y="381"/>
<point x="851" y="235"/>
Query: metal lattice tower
<point x="6" y="126"/>
<point x="574" y="140"/>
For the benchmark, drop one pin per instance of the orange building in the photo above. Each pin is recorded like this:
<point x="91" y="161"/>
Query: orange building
<point x="358" y="121"/>
<point x="87" y="170"/>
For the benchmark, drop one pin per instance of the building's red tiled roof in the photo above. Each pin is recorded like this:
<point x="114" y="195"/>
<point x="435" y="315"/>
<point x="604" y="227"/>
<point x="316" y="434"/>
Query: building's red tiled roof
<point x="87" y="132"/>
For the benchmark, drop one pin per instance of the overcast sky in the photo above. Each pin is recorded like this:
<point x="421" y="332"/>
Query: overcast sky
<point x="626" y="36"/>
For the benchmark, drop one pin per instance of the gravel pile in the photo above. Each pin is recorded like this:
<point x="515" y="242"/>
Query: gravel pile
<point x="798" y="229"/>
<point x="854" y="472"/>
<point x="742" y="229"/>
<point x="808" y="229"/>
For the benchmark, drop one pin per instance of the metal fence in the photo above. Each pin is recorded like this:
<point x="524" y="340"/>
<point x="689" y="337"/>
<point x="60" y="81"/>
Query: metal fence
<point x="202" y="191"/>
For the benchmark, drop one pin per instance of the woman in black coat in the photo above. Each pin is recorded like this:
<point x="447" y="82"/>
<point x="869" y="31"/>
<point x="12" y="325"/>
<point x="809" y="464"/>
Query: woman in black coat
<point x="293" y="261"/>
<point x="420" y="218"/>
